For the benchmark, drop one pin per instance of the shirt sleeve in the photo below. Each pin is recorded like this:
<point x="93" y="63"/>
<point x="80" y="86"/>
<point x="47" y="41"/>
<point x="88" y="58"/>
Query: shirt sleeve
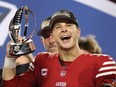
<point x="106" y="70"/>
<point x="27" y="79"/>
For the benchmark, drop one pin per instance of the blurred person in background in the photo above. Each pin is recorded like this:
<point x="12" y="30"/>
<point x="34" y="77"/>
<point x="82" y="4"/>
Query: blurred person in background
<point x="89" y="44"/>
<point x="46" y="38"/>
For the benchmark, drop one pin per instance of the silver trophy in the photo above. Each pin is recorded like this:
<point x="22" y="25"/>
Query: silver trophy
<point x="20" y="45"/>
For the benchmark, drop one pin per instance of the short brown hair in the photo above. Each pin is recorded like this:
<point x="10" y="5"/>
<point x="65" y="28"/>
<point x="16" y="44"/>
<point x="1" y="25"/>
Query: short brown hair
<point x="90" y="44"/>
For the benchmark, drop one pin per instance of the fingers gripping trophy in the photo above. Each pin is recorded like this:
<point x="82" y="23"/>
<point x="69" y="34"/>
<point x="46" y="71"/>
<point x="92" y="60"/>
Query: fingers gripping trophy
<point x="21" y="45"/>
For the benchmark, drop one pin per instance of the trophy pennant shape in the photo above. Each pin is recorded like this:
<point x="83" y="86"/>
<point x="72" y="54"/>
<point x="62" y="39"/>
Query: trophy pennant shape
<point x="20" y="45"/>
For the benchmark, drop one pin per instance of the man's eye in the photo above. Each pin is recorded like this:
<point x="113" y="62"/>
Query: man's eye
<point x="57" y="27"/>
<point x="69" y="25"/>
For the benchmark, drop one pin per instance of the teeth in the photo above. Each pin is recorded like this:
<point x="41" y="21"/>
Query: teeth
<point x="64" y="36"/>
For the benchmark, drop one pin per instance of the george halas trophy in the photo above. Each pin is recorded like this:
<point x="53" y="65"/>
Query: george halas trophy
<point x="20" y="45"/>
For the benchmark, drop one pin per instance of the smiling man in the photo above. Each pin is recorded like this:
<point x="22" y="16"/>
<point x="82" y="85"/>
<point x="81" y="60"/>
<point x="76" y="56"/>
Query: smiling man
<point x="70" y="67"/>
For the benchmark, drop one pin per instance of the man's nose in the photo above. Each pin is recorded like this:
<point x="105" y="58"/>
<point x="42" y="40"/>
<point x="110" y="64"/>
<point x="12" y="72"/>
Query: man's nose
<point x="64" y="29"/>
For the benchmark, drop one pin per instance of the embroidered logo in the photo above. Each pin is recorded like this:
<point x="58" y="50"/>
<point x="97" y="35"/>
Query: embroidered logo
<point x="61" y="13"/>
<point x="63" y="73"/>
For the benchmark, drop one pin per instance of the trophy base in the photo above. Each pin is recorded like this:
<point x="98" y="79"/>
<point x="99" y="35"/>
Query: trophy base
<point x="22" y="49"/>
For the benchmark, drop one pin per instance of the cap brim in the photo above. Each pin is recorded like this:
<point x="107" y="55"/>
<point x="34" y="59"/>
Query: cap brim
<point x="42" y="31"/>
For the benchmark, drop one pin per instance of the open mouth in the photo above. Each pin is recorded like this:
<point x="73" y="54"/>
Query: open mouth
<point x="65" y="37"/>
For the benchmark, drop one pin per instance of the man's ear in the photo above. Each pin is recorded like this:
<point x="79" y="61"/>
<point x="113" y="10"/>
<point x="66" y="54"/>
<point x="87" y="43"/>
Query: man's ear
<point x="51" y="34"/>
<point x="79" y="32"/>
<point x="41" y="38"/>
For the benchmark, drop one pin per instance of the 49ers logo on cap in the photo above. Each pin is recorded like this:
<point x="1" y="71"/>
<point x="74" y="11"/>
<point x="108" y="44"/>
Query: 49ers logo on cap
<point x="62" y="12"/>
